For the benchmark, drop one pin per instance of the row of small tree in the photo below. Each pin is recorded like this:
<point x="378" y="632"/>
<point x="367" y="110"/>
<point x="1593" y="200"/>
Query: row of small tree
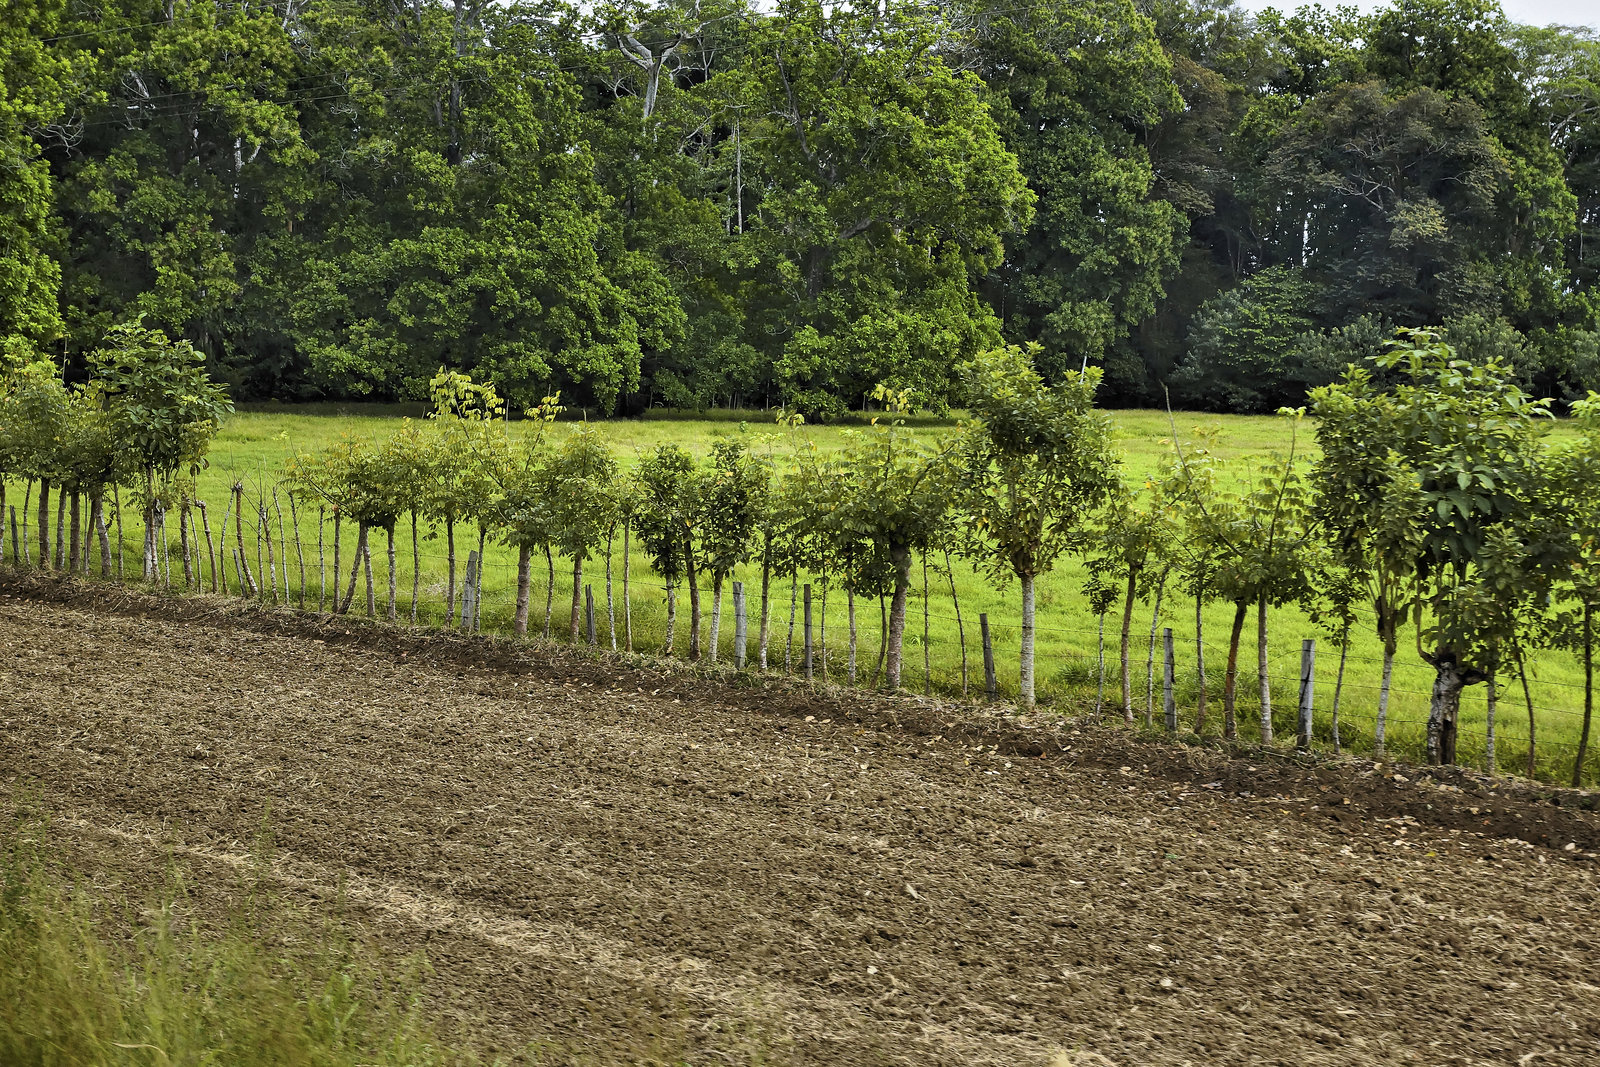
<point x="1435" y="506"/>
<point x="144" y="420"/>
<point x="1018" y="487"/>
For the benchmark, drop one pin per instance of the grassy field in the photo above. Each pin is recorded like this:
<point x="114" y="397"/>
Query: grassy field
<point x="254" y="444"/>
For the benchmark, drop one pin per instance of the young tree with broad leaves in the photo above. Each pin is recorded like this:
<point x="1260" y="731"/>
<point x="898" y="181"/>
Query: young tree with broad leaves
<point x="163" y="410"/>
<point x="895" y="498"/>
<point x="1030" y="470"/>
<point x="1460" y="445"/>
<point x="732" y="497"/>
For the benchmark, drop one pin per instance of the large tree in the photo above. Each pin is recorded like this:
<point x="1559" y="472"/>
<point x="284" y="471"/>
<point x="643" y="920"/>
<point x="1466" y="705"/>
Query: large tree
<point x="888" y="194"/>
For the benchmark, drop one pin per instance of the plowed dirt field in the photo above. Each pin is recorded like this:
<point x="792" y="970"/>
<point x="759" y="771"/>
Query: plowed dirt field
<point x="622" y="860"/>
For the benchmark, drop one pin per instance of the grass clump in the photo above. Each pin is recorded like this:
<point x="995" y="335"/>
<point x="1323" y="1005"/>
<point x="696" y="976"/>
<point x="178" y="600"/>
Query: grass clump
<point x="86" y="982"/>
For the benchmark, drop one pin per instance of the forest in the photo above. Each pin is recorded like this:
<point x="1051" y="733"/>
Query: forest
<point x="699" y="203"/>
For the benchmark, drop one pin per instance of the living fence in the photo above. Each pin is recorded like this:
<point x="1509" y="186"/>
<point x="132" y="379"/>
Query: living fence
<point x="277" y="548"/>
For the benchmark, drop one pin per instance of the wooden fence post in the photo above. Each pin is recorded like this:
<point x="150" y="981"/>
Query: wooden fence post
<point x="990" y="686"/>
<point x="1308" y="681"/>
<point x="1169" y="705"/>
<point x="740" y="626"/>
<point x="588" y="613"/>
<point x="806" y="659"/>
<point x="469" y="592"/>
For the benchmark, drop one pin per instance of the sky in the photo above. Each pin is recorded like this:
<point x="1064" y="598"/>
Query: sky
<point x="1532" y="12"/>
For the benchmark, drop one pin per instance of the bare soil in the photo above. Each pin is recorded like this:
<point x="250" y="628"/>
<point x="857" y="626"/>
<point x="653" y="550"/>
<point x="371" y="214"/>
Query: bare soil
<point x="636" y="863"/>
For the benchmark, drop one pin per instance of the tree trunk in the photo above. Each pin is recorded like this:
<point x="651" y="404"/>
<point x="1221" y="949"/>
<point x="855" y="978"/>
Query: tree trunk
<point x="450" y="587"/>
<point x="1025" y="681"/>
<point x="1200" y="660"/>
<point x="78" y="558"/>
<point x="577" y="594"/>
<point x="222" y="539"/>
<point x="343" y="606"/>
<point x="788" y="645"/>
<point x="716" y="613"/>
<point x="672" y="618"/>
<point x="183" y="544"/>
<point x="883" y="638"/>
<point x="1100" y="691"/>
<point x="1150" y="657"/>
<point x="300" y="551"/>
<point x="900" y="557"/>
<point x="611" y="607"/>
<point x="44" y="524"/>
<point x="627" y="600"/>
<point x="477" y="581"/>
<point x="850" y="614"/>
<point x="322" y="560"/>
<point x="389" y="530"/>
<point x="62" y="562"/>
<point x="1380" y="731"/>
<point x="822" y="630"/>
<point x="1127" y="633"/>
<point x="1262" y="667"/>
<point x="97" y="519"/>
<point x="694" y="597"/>
<point x="366" y="568"/>
<point x="766" y="593"/>
<point x="549" y="588"/>
<point x="249" y="588"/>
<point x="519" y="625"/>
<point x="1444" y="706"/>
<point x="1533" y="723"/>
<point x="416" y="567"/>
<point x="1588" y="692"/>
<point x="927" y="647"/>
<point x="116" y="500"/>
<point x="1230" y="678"/>
<point x="1338" y="688"/>
<point x="265" y="518"/>
<point x="283" y="542"/>
<point x="27" y="504"/>
<point x="961" y="629"/>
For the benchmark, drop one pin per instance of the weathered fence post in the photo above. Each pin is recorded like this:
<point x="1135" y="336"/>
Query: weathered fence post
<point x="1308" y="676"/>
<point x="990" y="687"/>
<point x="740" y="626"/>
<point x="588" y="614"/>
<point x="806" y="657"/>
<point x="1169" y="704"/>
<point x="469" y="592"/>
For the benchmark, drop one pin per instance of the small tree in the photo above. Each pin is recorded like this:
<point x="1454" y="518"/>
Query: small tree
<point x="895" y="495"/>
<point x="666" y="485"/>
<point x="163" y="407"/>
<point x="468" y="420"/>
<point x="732" y="497"/>
<point x="1134" y="541"/>
<point x="36" y="415"/>
<point x="525" y="508"/>
<point x="1463" y="435"/>
<point x="581" y="479"/>
<point x="1031" y="468"/>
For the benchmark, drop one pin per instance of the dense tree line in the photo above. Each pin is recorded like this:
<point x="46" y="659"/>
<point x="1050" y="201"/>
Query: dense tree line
<point x="696" y="202"/>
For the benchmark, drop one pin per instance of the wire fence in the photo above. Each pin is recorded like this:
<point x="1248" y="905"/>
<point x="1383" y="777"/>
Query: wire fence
<point x="292" y="553"/>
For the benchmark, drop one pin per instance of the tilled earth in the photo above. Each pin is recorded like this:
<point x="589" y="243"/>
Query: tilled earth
<point x="639" y="862"/>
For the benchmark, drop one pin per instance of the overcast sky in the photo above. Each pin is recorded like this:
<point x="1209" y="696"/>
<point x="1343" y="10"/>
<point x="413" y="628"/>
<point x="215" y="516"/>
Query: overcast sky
<point x="1533" y="12"/>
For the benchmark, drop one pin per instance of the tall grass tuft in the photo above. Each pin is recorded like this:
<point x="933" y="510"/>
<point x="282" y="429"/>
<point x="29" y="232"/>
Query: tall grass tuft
<point x="84" y="982"/>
